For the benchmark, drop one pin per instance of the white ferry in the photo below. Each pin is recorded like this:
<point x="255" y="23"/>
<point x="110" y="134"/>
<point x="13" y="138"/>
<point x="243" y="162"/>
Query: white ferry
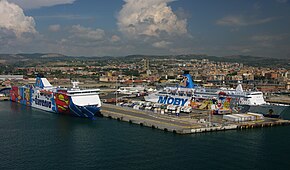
<point x="70" y="101"/>
<point x="234" y="100"/>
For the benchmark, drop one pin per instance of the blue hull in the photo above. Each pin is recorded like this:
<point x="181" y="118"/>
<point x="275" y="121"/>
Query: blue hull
<point x="84" y="111"/>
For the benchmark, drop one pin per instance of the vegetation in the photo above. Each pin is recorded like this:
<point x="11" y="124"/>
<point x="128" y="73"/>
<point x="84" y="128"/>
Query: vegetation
<point x="131" y="72"/>
<point x="233" y="74"/>
<point x="94" y="64"/>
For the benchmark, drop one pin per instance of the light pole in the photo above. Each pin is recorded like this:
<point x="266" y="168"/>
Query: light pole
<point x="116" y="91"/>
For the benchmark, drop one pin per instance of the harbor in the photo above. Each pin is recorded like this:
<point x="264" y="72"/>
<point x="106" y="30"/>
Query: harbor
<point x="189" y="108"/>
<point x="144" y="84"/>
<point x="177" y="119"/>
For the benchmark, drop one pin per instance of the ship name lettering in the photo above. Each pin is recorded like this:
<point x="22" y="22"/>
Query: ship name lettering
<point x="171" y="100"/>
<point x="43" y="103"/>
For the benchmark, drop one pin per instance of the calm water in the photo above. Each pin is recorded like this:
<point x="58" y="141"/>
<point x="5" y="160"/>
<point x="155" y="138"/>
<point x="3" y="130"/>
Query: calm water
<point x="33" y="139"/>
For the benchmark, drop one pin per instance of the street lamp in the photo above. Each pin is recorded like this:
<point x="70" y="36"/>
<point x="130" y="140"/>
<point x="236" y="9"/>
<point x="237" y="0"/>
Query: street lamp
<point x="116" y="90"/>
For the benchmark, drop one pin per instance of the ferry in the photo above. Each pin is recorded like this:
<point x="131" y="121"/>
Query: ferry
<point x="69" y="101"/>
<point x="131" y="90"/>
<point x="220" y="100"/>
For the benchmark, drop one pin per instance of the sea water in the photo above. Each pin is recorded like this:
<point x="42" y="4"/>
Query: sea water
<point x="35" y="139"/>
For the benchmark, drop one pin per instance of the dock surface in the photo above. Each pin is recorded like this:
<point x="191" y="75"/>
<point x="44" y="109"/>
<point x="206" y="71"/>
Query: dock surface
<point x="173" y="124"/>
<point x="279" y="99"/>
<point x="182" y="124"/>
<point x="4" y="98"/>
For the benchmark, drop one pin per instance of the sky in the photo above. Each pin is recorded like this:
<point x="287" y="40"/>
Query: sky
<point x="147" y="27"/>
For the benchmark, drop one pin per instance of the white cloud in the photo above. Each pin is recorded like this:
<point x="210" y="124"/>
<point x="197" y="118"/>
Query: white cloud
<point x="161" y="44"/>
<point x="29" y="4"/>
<point x="54" y="28"/>
<point x="150" y="18"/>
<point x="12" y="18"/>
<point x="115" y="38"/>
<point x="87" y="34"/>
<point x="88" y="41"/>
<point x="243" y="20"/>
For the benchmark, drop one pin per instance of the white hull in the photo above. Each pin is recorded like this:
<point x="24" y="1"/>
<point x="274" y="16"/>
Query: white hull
<point x="282" y="110"/>
<point x="169" y="99"/>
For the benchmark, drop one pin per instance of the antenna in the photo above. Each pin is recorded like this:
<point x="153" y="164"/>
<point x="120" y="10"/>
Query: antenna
<point x="75" y="84"/>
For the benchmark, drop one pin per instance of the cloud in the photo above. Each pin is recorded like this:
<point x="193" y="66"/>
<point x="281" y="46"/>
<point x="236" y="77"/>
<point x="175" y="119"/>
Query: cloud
<point x="66" y="16"/>
<point x="87" y="34"/>
<point x="115" y="38"/>
<point x="13" y="19"/>
<point x="11" y="43"/>
<point x="271" y="41"/>
<point x="161" y="44"/>
<point x="149" y="18"/>
<point x="30" y="4"/>
<point x="83" y="37"/>
<point x="54" y="28"/>
<point x="182" y="13"/>
<point x="243" y="20"/>
<point x="5" y="38"/>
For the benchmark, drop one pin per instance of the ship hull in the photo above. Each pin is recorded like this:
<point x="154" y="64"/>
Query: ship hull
<point x="272" y="110"/>
<point x="169" y="99"/>
<point x="268" y="110"/>
<point x="84" y="111"/>
<point x="58" y="103"/>
<point x="221" y="104"/>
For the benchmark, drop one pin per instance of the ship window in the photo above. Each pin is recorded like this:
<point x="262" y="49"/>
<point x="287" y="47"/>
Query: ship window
<point x="256" y="94"/>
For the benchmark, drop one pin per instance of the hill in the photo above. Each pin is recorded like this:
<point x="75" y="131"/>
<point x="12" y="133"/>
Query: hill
<point x="24" y="58"/>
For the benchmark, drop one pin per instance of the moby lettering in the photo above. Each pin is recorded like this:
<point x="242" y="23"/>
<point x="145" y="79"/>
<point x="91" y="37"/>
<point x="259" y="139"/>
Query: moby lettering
<point x="171" y="100"/>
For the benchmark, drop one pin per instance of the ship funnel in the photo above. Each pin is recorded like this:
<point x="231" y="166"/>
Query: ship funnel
<point x="187" y="79"/>
<point x="75" y="84"/>
<point x="239" y="87"/>
<point x="42" y="82"/>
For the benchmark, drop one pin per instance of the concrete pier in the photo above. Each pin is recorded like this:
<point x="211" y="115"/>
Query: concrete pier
<point x="4" y="98"/>
<point x="283" y="99"/>
<point x="146" y="119"/>
<point x="179" y="125"/>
